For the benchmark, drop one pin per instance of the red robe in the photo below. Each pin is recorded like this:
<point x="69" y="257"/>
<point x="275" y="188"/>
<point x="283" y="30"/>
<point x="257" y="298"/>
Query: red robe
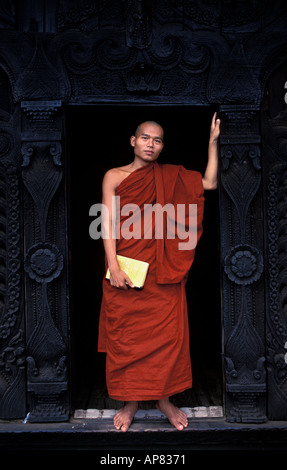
<point x="145" y="332"/>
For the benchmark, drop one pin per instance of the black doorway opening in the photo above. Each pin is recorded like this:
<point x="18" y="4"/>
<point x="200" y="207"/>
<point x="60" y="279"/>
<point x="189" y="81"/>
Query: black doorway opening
<point x="97" y="139"/>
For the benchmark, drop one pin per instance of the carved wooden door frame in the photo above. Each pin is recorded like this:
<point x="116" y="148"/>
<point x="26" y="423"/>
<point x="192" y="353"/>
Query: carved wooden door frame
<point x="12" y="327"/>
<point x="200" y="60"/>
<point x="274" y="159"/>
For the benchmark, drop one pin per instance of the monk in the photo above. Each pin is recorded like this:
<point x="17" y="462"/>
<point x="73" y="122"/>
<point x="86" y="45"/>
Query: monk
<point x="145" y="332"/>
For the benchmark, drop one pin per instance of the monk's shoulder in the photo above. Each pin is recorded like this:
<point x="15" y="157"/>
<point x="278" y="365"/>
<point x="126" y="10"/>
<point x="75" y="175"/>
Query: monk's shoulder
<point x="114" y="176"/>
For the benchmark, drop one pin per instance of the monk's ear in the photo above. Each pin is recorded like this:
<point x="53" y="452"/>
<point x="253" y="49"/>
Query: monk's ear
<point x="133" y="141"/>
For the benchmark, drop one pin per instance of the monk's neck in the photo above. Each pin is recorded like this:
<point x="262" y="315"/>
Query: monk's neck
<point x="137" y="164"/>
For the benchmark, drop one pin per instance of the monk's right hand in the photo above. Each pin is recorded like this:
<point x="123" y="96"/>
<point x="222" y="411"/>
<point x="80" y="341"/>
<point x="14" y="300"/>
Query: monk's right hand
<point x="120" y="279"/>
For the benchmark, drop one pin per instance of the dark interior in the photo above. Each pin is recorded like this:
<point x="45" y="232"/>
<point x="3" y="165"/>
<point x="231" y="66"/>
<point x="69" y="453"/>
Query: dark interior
<point x="98" y="139"/>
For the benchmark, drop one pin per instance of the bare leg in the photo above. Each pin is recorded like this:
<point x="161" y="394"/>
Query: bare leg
<point x="124" y="416"/>
<point x="175" y="416"/>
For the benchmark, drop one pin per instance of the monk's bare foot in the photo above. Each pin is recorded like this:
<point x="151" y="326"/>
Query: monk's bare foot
<point x="175" y="416"/>
<point x="124" y="416"/>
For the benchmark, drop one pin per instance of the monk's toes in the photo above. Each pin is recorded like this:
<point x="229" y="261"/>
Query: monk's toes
<point x="120" y="425"/>
<point x="183" y="419"/>
<point x="117" y="422"/>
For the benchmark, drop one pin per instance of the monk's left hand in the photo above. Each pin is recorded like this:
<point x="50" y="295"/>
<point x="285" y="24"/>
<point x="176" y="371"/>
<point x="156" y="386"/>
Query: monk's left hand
<point x="214" y="129"/>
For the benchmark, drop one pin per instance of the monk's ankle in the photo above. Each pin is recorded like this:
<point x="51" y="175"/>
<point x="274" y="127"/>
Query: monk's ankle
<point x="132" y="405"/>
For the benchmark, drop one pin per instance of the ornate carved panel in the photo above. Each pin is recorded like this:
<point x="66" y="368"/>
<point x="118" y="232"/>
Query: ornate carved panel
<point x="242" y="258"/>
<point x="45" y="262"/>
<point x="136" y="67"/>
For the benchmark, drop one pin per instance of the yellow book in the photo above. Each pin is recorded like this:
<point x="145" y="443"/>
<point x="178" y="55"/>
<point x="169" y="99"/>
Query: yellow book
<point x="135" y="269"/>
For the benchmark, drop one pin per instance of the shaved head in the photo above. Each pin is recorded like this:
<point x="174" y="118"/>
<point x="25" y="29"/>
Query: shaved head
<point x="151" y="123"/>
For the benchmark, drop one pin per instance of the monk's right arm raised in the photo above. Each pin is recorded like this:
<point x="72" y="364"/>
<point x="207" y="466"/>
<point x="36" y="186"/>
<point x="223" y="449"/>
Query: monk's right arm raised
<point x="118" y="278"/>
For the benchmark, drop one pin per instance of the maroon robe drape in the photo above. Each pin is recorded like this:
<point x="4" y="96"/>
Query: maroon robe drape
<point x="145" y="332"/>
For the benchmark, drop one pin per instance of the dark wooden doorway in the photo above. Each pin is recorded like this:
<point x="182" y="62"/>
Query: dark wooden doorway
<point x="98" y="139"/>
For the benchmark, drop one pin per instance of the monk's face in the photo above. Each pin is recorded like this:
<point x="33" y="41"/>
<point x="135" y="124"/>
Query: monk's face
<point x="148" y="143"/>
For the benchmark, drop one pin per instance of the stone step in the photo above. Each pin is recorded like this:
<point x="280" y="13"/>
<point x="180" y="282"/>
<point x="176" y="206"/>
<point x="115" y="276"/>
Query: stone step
<point x="196" y="412"/>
